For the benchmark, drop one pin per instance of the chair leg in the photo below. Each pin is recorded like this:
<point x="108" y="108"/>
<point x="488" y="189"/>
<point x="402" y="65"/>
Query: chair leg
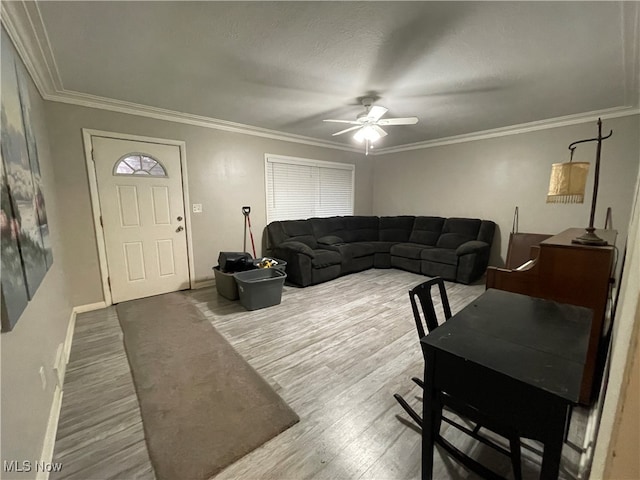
<point x="516" y="459"/>
<point x="418" y="382"/>
<point x="567" y="424"/>
<point x="514" y="443"/>
<point x="412" y="413"/>
<point x="467" y="461"/>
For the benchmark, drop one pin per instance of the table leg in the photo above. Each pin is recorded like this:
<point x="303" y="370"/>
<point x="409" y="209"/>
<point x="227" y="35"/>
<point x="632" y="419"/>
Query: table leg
<point x="431" y="413"/>
<point x="553" y="444"/>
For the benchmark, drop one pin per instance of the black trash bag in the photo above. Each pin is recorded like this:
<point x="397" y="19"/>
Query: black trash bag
<point x="232" y="262"/>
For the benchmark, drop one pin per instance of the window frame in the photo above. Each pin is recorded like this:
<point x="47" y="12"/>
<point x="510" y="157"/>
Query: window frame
<point x="307" y="162"/>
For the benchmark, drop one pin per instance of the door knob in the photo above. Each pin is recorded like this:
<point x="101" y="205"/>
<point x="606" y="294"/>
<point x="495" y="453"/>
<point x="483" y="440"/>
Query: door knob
<point x="179" y="229"/>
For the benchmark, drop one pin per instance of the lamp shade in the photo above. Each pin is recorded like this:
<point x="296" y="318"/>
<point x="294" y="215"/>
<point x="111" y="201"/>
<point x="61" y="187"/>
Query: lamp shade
<point x="568" y="182"/>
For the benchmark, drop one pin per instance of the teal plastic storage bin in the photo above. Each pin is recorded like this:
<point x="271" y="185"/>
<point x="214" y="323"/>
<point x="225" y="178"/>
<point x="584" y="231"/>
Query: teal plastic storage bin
<point x="260" y="288"/>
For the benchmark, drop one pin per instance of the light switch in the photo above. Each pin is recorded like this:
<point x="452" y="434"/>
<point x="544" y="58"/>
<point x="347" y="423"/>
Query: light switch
<point x="197" y="208"/>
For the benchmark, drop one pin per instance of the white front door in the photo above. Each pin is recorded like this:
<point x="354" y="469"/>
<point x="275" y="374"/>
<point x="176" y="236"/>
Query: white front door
<point x="142" y="210"/>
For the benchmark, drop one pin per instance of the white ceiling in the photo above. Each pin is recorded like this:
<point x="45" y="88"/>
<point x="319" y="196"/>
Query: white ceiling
<point x="460" y="67"/>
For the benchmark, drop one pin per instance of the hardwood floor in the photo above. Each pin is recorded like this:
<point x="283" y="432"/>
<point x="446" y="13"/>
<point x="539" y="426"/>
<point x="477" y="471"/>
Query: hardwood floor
<point x="336" y="352"/>
<point x="100" y="432"/>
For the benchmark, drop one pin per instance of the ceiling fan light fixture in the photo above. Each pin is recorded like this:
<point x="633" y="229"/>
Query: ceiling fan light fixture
<point x="366" y="133"/>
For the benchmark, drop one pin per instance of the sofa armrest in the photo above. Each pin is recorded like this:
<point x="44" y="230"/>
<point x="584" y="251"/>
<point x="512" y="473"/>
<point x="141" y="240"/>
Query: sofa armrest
<point x="295" y="247"/>
<point x="330" y="240"/>
<point x="473" y="246"/>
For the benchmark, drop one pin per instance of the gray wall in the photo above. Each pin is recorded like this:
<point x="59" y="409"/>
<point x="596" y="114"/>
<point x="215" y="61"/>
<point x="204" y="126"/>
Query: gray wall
<point x="225" y="172"/>
<point x="489" y="178"/>
<point x="42" y="327"/>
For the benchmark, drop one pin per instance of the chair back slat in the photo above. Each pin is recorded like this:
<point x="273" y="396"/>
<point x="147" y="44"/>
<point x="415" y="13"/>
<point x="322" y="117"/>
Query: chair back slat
<point x="423" y="293"/>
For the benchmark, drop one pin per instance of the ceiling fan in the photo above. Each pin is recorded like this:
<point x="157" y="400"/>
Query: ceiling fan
<point x="367" y="124"/>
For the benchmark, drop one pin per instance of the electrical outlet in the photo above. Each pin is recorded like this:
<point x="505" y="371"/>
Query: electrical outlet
<point x="43" y="378"/>
<point x="197" y="208"/>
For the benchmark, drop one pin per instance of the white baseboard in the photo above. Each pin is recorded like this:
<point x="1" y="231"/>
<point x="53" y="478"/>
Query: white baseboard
<point x="89" y="307"/>
<point x="72" y="324"/>
<point x="50" y="435"/>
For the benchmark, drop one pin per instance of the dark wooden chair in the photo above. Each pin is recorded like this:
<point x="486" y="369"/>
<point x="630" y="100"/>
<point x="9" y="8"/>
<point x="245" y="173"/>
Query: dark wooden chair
<point x="422" y="293"/>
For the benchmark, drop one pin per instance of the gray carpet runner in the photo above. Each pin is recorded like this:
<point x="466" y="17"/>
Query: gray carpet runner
<point x="203" y="406"/>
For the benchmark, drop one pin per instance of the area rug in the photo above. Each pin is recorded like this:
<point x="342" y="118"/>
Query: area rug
<point x="203" y="406"/>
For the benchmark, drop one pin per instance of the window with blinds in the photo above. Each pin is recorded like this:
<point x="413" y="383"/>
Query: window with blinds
<point x="299" y="188"/>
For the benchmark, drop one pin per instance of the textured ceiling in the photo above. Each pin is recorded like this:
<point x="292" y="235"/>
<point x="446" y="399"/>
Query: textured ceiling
<point x="460" y="67"/>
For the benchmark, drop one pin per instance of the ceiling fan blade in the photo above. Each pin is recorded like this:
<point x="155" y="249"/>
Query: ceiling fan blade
<point x="352" y="122"/>
<point x="346" y="130"/>
<point x="376" y="112"/>
<point x="398" y="121"/>
<point x="379" y="130"/>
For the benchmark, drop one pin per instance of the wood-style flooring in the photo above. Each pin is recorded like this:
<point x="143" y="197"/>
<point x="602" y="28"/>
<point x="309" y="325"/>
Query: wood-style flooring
<point x="336" y="352"/>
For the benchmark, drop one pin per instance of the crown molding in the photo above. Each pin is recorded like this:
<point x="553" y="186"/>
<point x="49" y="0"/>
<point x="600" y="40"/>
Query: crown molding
<point x="23" y="22"/>
<point x="516" y="129"/>
<point x="92" y="101"/>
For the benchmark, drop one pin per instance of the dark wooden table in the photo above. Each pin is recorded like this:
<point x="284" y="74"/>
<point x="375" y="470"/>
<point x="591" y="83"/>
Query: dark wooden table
<point x="517" y="359"/>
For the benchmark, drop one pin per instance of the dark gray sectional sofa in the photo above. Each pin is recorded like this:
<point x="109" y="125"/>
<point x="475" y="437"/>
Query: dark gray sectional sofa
<point x="321" y="249"/>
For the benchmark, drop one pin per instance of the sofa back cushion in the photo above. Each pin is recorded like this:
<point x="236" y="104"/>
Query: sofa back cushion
<point x="426" y="230"/>
<point x="457" y="231"/>
<point x="487" y="230"/>
<point x="299" y="231"/>
<point x="395" y="229"/>
<point x="330" y="226"/>
<point x="361" y="229"/>
<point x="275" y="234"/>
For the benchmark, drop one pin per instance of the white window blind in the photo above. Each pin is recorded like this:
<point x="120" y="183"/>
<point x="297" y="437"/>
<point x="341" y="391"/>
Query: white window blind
<point x="300" y="188"/>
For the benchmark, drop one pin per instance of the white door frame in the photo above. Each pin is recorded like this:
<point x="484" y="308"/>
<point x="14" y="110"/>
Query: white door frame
<point x="87" y="136"/>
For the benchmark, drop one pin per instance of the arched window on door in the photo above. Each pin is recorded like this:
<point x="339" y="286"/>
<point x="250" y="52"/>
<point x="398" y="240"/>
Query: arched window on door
<point x="139" y="164"/>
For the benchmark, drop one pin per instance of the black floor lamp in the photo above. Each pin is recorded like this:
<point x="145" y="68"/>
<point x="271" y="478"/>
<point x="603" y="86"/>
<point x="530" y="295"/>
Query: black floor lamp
<point x="568" y="182"/>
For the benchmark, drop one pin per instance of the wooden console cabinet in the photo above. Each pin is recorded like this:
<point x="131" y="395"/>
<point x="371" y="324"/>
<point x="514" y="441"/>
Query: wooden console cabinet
<point x="569" y="273"/>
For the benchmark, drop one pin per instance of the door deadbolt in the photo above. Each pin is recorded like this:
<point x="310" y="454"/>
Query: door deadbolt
<point x="179" y="229"/>
<point x="179" y="219"/>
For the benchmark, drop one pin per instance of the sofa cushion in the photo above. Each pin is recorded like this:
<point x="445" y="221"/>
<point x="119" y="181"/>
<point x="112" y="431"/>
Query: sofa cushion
<point x="352" y="250"/>
<point x="382" y="247"/>
<point x="300" y="231"/>
<point x="360" y="249"/>
<point x="408" y="250"/>
<point x="457" y="231"/>
<point x="275" y="234"/>
<point x="361" y="229"/>
<point x="297" y="247"/>
<point x="464" y="226"/>
<point x="324" y="258"/>
<point x="427" y="230"/>
<point x="487" y="230"/>
<point x="322" y="227"/>
<point x="395" y="229"/>
<point x="308" y="240"/>
<point x="296" y="228"/>
<point x="453" y="240"/>
<point x="473" y="246"/>
<point x="440" y="255"/>
<point x="330" y="240"/>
